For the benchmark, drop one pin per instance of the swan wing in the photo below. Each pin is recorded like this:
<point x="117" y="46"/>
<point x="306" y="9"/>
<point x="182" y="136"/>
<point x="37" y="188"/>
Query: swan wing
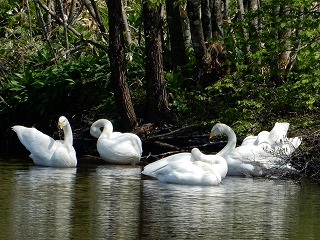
<point x="39" y="144"/>
<point x="278" y="132"/>
<point x="124" y="149"/>
<point x="179" y="158"/>
<point x="249" y="140"/>
<point x="188" y="174"/>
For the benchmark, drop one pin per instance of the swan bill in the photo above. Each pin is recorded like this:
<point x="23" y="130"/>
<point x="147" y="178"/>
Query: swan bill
<point x="211" y="135"/>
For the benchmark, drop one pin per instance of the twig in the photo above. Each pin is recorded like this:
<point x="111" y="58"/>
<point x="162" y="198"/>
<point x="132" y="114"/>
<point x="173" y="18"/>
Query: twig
<point x="58" y="19"/>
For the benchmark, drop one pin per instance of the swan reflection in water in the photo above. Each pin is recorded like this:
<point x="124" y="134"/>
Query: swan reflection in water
<point x="107" y="203"/>
<point x="111" y="201"/>
<point x="42" y="203"/>
<point x="256" y="207"/>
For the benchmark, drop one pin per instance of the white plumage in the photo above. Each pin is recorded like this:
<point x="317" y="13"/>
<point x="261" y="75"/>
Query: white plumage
<point x="116" y="147"/>
<point x="46" y="151"/>
<point x="259" y="155"/>
<point x="194" y="168"/>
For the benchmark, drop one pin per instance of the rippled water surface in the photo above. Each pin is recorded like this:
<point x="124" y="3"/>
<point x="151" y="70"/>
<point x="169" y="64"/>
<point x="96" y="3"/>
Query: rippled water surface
<point x="113" y="202"/>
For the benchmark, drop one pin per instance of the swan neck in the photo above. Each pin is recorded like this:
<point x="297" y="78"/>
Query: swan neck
<point x="106" y="125"/>
<point x="232" y="141"/>
<point x="68" y="137"/>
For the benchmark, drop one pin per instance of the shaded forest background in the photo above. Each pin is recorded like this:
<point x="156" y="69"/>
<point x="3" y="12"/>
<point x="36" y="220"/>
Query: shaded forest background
<point x="246" y="63"/>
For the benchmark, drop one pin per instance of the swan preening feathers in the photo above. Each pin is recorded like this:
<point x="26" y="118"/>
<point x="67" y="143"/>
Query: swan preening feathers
<point x="260" y="155"/>
<point x="194" y="168"/>
<point x="116" y="147"/>
<point x="265" y="154"/>
<point x="46" y="151"/>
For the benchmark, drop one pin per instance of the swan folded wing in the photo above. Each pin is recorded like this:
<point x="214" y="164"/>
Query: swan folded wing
<point x="124" y="145"/>
<point x="135" y="141"/>
<point x="124" y="149"/>
<point x="248" y="161"/>
<point x="180" y="158"/>
<point x="278" y="132"/>
<point x="38" y="143"/>
<point x="249" y="140"/>
<point x="188" y="173"/>
<point x="255" y="161"/>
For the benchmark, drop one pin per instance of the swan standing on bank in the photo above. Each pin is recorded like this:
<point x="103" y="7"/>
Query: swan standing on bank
<point x="116" y="147"/>
<point x="46" y="151"/>
<point x="194" y="168"/>
<point x="258" y="155"/>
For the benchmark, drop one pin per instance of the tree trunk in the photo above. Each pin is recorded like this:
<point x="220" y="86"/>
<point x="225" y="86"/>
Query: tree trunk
<point x="178" y="51"/>
<point x="156" y="97"/>
<point x="126" y="33"/>
<point x="203" y="59"/>
<point x="206" y="19"/>
<point x="117" y="65"/>
<point x="254" y="36"/>
<point x="185" y="25"/>
<point x="217" y="18"/>
<point x="246" y="48"/>
<point x="197" y="37"/>
<point x="284" y="34"/>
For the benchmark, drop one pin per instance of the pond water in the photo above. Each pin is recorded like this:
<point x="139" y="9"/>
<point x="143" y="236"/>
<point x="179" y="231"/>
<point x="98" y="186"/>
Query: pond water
<point x="113" y="202"/>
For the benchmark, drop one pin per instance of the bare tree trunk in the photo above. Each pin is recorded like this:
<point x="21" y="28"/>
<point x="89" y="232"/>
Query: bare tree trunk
<point x="217" y="18"/>
<point x="226" y="16"/>
<point x="178" y="51"/>
<point x="185" y="25"/>
<point x="206" y="19"/>
<point x="197" y="37"/>
<point x="48" y="18"/>
<point x="254" y="36"/>
<point x="203" y="59"/>
<point x="156" y="97"/>
<point x="246" y="49"/>
<point x="72" y="11"/>
<point x="117" y="65"/>
<point x="293" y="58"/>
<point x="30" y="23"/>
<point x="126" y="32"/>
<point x="284" y="34"/>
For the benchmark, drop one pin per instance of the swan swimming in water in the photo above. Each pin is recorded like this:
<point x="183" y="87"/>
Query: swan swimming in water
<point x="116" y="147"/>
<point x="194" y="168"/>
<point x="258" y="155"/>
<point x="46" y="151"/>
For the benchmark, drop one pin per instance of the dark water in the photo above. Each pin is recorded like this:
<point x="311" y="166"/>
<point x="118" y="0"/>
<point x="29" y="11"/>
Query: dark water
<point x="113" y="202"/>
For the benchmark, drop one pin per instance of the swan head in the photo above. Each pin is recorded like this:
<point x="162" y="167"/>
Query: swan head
<point x="101" y="125"/>
<point x="63" y="122"/>
<point x="218" y="129"/>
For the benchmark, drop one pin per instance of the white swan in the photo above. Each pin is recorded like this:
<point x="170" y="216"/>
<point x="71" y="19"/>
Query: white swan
<point x="258" y="155"/>
<point x="116" y="147"/>
<point x="45" y="151"/>
<point x="193" y="168"/>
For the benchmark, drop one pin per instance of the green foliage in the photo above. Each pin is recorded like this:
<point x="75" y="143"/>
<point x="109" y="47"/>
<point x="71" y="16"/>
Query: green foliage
<point x="56" y="89"/>
<point x="252" y="91"/>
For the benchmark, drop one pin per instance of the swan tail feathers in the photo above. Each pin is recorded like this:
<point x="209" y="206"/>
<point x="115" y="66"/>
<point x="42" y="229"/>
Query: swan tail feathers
<point x="38" y="143"/>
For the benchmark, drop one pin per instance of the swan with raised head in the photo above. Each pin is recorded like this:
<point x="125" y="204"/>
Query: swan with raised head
<point x="260" y="155"/>
<point x="116" y="147"/>
<point x="46" y="151"/>
<point x="194" y="168"/>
